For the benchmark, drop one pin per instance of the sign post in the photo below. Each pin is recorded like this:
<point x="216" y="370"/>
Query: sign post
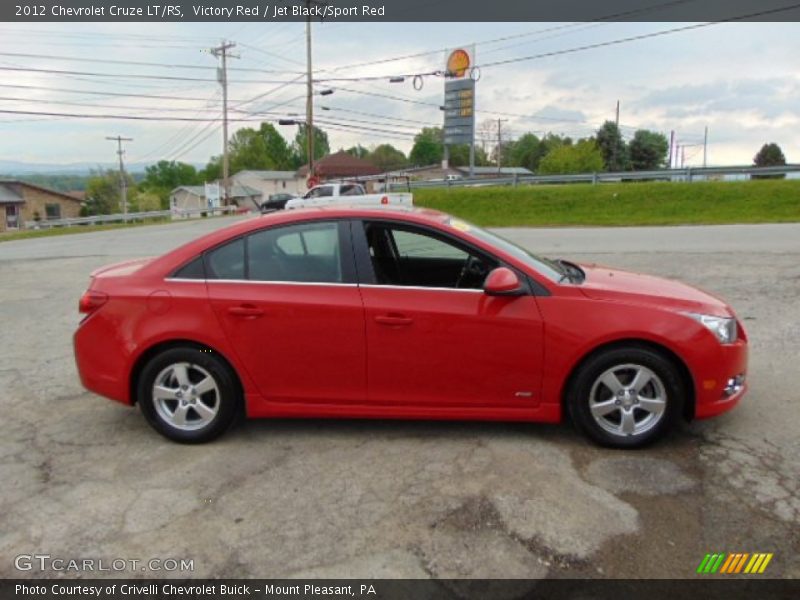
<point x="459" y="103"/>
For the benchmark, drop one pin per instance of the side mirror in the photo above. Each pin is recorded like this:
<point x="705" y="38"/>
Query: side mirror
<point x="502" y="282"/>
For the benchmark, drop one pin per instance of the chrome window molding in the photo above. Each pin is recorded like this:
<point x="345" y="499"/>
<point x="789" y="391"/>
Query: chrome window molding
<point x="332" y="284"/>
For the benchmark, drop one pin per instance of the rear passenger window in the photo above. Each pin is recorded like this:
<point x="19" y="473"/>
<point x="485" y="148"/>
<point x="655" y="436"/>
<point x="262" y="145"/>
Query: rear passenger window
<point x="226" y="262"/>
<point x="192" y="270"/>
<point x="303" y="253"/>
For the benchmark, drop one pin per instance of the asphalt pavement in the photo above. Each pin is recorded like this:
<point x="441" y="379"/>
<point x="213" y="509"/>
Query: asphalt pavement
<point x="83" y="477"/>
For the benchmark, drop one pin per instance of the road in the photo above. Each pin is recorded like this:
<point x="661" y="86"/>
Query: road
<point x="83" y="477"/>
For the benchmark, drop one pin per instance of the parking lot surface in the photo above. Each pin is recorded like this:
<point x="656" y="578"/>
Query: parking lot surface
<point x="83" y="477"/>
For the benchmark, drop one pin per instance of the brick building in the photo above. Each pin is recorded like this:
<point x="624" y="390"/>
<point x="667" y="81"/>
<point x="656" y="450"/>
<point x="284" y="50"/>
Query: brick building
<point x="22" y="202"/>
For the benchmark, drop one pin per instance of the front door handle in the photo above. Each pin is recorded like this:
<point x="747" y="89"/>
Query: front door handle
<point x="394" y="320"/>
<point x="247" y="311"/>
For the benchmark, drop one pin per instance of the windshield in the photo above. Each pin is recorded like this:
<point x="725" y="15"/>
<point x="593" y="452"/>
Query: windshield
<point x="550" y="269"/>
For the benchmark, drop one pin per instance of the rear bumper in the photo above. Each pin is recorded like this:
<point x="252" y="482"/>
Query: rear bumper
<point x="713" y="377"/>
<point x="100" y="360"/>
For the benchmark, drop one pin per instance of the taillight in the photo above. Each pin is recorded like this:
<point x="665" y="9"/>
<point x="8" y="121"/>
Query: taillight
<point x="91" y="301"/>
<point x="385" y="200"/>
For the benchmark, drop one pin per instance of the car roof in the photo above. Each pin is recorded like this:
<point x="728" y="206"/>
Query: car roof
<point x="287" y="217"/>
<point x="410" y="213"/>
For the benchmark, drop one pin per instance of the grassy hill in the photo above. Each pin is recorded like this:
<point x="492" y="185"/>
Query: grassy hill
<point x="634" y="203"/>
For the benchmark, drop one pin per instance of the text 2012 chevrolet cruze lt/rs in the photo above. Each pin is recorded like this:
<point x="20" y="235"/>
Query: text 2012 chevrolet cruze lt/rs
<point x="407" y="314"/>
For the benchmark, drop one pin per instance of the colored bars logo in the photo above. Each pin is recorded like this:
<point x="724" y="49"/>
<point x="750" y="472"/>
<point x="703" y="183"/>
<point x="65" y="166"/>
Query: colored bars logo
<point x="741" y="562"/>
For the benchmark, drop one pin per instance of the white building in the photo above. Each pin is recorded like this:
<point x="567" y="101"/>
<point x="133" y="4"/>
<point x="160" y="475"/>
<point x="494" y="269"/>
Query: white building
<point x="271" y="182"/>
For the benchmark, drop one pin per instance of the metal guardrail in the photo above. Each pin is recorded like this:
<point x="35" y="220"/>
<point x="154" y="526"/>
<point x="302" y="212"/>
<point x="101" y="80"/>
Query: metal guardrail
<point x="125" y="217"/>
<point x="675" y="175"/>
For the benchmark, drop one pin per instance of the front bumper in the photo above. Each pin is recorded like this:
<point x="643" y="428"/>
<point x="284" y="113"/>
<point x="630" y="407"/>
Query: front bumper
<point x="714" y="394"/>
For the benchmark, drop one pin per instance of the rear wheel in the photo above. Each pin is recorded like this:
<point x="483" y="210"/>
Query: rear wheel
<point x="626" y="397"/>
<point x="188" y="395"/>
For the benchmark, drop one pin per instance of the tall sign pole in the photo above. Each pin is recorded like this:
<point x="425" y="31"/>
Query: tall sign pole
<point x="459" y="102"/>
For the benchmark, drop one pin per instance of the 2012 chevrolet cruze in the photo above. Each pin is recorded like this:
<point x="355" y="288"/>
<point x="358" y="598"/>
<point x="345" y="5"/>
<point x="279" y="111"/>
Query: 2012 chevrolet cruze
<point x="409" y="314"/>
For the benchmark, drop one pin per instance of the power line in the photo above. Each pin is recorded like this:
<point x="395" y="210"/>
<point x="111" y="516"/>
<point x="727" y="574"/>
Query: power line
<point x="95" y="105"/>
<point x="605" y="18"/>
<point x="135" y="63"/>
<point x="130" y="75"/>
<point x="96" y="92"/>
<point x="635" y="38"/>
<point x="104" y="116"/>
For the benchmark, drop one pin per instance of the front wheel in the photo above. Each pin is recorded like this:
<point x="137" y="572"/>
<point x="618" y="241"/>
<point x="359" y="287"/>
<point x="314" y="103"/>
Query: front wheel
<point x="188" y="395"/>
<point x="626" y="397"/>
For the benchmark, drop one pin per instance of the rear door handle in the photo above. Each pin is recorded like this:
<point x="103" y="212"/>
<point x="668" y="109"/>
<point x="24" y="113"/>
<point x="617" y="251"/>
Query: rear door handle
<point x="394" y="320"/>
<point x="245" y="311"/>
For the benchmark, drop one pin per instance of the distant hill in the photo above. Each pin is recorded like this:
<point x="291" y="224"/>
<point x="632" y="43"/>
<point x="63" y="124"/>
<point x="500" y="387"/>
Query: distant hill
<point x="19" y="168"/>
<point x="65" y="177"/>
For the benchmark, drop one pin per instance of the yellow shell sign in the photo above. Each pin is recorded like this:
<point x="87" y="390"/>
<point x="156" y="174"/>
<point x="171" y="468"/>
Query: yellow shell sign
<point x="458" y="62"/>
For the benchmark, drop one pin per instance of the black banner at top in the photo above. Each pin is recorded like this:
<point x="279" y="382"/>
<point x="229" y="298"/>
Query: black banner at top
<point x="270" y="11"/>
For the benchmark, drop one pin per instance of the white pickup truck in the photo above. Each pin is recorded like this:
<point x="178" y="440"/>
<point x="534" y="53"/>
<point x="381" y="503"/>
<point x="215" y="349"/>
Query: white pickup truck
<point x="351" y="194"/>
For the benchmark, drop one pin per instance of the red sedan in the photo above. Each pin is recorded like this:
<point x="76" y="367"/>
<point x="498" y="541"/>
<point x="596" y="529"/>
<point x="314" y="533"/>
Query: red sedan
<point x="408" y="314"/>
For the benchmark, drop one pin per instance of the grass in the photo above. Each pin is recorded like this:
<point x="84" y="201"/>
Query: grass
<point x="621" y="204"/>
<point x="8" y="236"/>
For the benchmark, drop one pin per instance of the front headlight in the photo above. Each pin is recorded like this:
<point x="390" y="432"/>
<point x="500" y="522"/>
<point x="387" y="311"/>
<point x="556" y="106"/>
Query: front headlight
<point x="722" y="327"/>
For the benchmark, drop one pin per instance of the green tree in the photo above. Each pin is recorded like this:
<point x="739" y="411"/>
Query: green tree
<point x="321" y="145"/>
<point x="583" y="157"/>
<point x="164" y="176"/>
<point x="212" y="170"/>
<point x="770" y="155"/>
<point x="387" y="158"/>
<point x="103" y="192"/>
<point x="648" y="150"/>
<point x="613" y="147"/>
<point x="524" y="152"/>
<point x="358" y="151"/>
<point x="144" y="201"/>
<point x="529" y="150"/>
<point x="428" y="147"/>
<point x="260" y="149"/>
<point x="459" y="156"/>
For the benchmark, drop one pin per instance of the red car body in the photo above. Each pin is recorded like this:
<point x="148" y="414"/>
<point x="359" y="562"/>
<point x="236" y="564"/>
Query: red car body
<point x="363" y="350"/>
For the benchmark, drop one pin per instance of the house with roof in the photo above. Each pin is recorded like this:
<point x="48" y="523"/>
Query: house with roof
<point x="340" y="165"/>
<point x="193" y="197"/>
<point x="271" y="182"/>
<point x="22" y="202"/>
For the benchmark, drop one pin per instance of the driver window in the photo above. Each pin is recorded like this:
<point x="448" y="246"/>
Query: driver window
<point x="405" y="256"/>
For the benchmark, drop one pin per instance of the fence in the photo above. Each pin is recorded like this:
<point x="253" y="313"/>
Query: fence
<point x="126" y="217"/>
<point x="687" y="175"/>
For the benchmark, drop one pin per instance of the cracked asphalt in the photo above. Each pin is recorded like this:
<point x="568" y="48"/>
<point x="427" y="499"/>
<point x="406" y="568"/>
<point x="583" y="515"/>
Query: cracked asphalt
<point x="83" y="477"/>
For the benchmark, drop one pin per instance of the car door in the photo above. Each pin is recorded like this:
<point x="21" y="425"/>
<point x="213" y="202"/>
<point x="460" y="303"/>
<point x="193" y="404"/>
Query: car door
<point x="288" y="301"/>
<point x="434" y="339"/>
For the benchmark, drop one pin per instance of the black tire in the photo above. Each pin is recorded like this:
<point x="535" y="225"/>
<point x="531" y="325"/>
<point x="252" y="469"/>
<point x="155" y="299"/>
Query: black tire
<point x="199" y="426"/>
<point x="587" y="391"/>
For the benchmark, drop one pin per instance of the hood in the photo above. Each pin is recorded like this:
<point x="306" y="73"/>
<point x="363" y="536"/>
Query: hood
<point x="121" y="268"/>
<point x="603" y="283"/>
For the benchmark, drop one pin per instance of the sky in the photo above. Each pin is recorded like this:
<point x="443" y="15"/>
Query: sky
<point x="741" y="80"/>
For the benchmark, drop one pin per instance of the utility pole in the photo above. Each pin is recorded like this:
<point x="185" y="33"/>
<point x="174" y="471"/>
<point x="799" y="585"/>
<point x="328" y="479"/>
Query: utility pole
<point x="616" y="121"/>
<point x="222" y="53"/>
<point x="309" y="96"/>
<point x="500" y="143"/>
<point x="705" y="147"/>
<point x="123" y="184"/>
